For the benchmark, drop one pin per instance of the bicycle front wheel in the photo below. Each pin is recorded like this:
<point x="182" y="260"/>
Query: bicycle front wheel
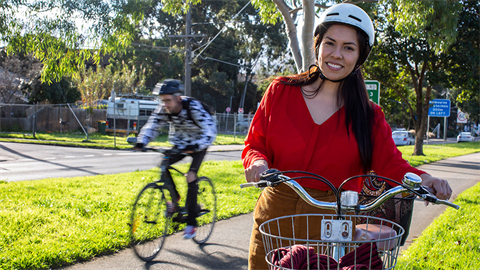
<point x="148" y="222"/>
<point x="207" y="215"/>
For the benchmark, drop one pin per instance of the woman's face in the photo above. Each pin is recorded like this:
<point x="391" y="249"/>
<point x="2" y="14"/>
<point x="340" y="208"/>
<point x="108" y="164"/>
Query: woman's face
<point x="339" y="52"/>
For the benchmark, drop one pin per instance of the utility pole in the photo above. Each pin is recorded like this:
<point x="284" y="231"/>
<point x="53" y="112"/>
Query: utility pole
<point x="188" y="50"/>
<point x="188" y="69"/>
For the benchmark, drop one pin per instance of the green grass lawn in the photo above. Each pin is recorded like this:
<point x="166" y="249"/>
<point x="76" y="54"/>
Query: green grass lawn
<point x="53" y="222"/>
<point x="98" y="140"/>
<point x="452" y="241"/>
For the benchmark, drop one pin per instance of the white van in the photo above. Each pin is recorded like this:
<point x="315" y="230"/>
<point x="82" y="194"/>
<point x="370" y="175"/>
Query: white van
<point x="128" y="114"/>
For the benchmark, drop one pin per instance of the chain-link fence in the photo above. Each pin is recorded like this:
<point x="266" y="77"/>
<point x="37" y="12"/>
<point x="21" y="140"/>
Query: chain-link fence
<point x="65" y="118"/>
<point x="54" y="118"/>
<point x="233" y="123"/>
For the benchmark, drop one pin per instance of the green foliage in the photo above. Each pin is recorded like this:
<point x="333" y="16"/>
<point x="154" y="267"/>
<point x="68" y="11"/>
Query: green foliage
<point x="54" y="92"/>
<point x="153" y="59"/>
<point x="461" y="61"/>
<point x="95" y="84"/>
<point x="58" y="41"/>
<point x="179" y="6"/>
<point x="268" y="11"/>
<point x="432" y="20"/>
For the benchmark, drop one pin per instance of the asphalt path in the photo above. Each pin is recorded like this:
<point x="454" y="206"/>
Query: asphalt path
<point x="22" y="161"/>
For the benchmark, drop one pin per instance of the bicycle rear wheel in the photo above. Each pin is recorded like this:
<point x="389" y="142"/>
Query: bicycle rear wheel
<point x="207" y="200"/>
<point x="149" y="223"/>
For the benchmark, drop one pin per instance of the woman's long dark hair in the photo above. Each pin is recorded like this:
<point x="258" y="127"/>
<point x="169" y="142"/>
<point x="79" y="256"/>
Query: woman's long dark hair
<point x="359" y="112"/>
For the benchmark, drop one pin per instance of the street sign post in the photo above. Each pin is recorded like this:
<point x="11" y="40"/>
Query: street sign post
<point x="439" y="108"/>
<point x="373" y="89"/>
<point x="461" y="117"/>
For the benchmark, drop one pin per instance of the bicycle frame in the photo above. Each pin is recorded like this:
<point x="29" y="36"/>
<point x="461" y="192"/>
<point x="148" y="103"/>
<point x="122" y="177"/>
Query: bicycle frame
<point x="165" y="178"/>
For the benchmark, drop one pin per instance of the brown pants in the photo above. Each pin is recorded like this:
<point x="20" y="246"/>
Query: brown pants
<point x="282" y="201"/>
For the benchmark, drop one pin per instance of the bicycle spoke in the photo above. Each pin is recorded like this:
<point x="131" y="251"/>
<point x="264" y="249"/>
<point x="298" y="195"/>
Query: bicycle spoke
<point x="207" y="201"/>
<point x="149" y="224"/>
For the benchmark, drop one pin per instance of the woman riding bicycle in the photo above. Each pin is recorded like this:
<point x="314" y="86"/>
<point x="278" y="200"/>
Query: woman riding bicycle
<point x="192" y="131"/>
<point x="322" y="121"/>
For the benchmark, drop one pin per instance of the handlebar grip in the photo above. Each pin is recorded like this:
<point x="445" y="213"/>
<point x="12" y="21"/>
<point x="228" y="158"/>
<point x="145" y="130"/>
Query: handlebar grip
<point x="245" y="185"/>
<point x="259" y="184"/>
<point x="448" y="204"/>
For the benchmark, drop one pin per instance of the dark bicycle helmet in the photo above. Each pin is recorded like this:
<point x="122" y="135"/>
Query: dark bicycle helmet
<point x="169" y="87"/>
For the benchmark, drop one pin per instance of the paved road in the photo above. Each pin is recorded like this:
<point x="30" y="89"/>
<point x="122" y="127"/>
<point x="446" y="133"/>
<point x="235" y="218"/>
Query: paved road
<point x="228" y="247"/>
<point x="21" y="161"/>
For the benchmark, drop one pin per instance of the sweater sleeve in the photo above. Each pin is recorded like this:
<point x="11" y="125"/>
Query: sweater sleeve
<point x="207" y="125"/>
<point x="151" y="129"/>
<point x="255" y="142"/>
<point x="387" y="159"/>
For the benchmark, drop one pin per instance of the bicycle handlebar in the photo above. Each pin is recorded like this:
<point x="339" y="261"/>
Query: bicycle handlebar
<point x="165" y="151"/>
<point x="411" y="183"/>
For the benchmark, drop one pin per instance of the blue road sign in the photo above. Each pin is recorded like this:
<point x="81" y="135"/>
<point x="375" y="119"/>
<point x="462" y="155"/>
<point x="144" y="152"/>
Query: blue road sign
<point x="439" y="108"/>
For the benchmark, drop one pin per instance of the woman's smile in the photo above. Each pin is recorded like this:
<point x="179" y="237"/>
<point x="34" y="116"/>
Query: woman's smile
<point x="338" y="52"/>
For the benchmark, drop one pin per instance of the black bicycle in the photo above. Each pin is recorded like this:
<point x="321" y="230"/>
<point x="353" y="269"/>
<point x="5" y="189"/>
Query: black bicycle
<point x="152" y="220"/>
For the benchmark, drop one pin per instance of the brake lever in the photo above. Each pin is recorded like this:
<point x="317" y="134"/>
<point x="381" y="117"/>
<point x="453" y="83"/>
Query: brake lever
<point x="426" y="193"/>
<point x="270" y="176"/>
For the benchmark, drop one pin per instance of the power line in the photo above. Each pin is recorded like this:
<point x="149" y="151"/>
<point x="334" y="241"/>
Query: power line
<point x="223" y="29"/>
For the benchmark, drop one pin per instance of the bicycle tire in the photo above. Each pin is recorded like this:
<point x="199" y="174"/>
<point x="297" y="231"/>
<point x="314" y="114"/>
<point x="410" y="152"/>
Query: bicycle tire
<point x="149" y="224"/>
<point x="207" y="200"/>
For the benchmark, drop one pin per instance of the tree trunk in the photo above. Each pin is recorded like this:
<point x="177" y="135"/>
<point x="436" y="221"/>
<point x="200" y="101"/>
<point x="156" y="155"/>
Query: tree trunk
<point x="422" y="119"/>
<point x="291" y="32"/>
<point x="307" y="33"/>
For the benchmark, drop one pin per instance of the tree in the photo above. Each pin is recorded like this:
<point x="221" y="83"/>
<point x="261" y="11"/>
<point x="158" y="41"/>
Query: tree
<point x="240" y="41"/>
<point x="410" y="45"/>
<point x="461" y="61"/>
<point x="16" y="72"/>
<point x="60" y="92"/>
<point x="60" y="42"/>
<point x="95" y="84"/>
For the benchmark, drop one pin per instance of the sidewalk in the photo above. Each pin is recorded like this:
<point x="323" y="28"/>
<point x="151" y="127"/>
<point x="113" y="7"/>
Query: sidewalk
<point x="228" y="246"/>
<point x="222" y="148"/>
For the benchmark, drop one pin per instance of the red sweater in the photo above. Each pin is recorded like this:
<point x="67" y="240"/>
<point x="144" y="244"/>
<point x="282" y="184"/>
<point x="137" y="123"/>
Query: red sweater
<point x="284" y="134"/>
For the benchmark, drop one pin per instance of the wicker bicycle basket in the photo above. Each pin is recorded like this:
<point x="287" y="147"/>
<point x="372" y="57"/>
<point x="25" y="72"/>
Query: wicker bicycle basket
<point x="298" y="242"/>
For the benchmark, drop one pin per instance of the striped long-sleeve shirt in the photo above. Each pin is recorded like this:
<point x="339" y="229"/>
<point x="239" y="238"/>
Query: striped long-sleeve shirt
<point x="196" y="133"/>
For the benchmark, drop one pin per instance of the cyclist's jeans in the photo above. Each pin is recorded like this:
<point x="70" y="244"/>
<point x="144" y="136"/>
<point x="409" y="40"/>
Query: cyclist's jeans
<point x="282" y="201"/>
<point x="191" y="203"/>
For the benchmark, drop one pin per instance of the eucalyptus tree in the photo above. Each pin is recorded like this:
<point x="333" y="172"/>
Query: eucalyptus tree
<point x="63" y="34"/>
<point x="414" y="37"/>
<point x="462" y="61"/>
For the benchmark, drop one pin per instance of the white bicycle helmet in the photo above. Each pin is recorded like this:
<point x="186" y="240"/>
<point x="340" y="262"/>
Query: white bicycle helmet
<point x="349" y="14"/>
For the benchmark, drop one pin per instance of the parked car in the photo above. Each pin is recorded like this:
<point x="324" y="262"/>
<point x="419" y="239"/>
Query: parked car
<point x="243" y="125"/>
<point x="403" y="138"/>
<point x="464" y="137"/>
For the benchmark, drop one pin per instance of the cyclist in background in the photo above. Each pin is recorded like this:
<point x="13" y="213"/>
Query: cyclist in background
<point x="192" y="131"/>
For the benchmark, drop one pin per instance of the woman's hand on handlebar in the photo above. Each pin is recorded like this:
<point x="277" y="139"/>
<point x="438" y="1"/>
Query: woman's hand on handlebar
<point x="441" y="188"/>
<point x="252" y="173"/>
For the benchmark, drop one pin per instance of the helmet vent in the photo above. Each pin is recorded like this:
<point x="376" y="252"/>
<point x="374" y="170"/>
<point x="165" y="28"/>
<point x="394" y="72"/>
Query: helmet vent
<point x="355" y="18"/>
<point x="333" y="14"/>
